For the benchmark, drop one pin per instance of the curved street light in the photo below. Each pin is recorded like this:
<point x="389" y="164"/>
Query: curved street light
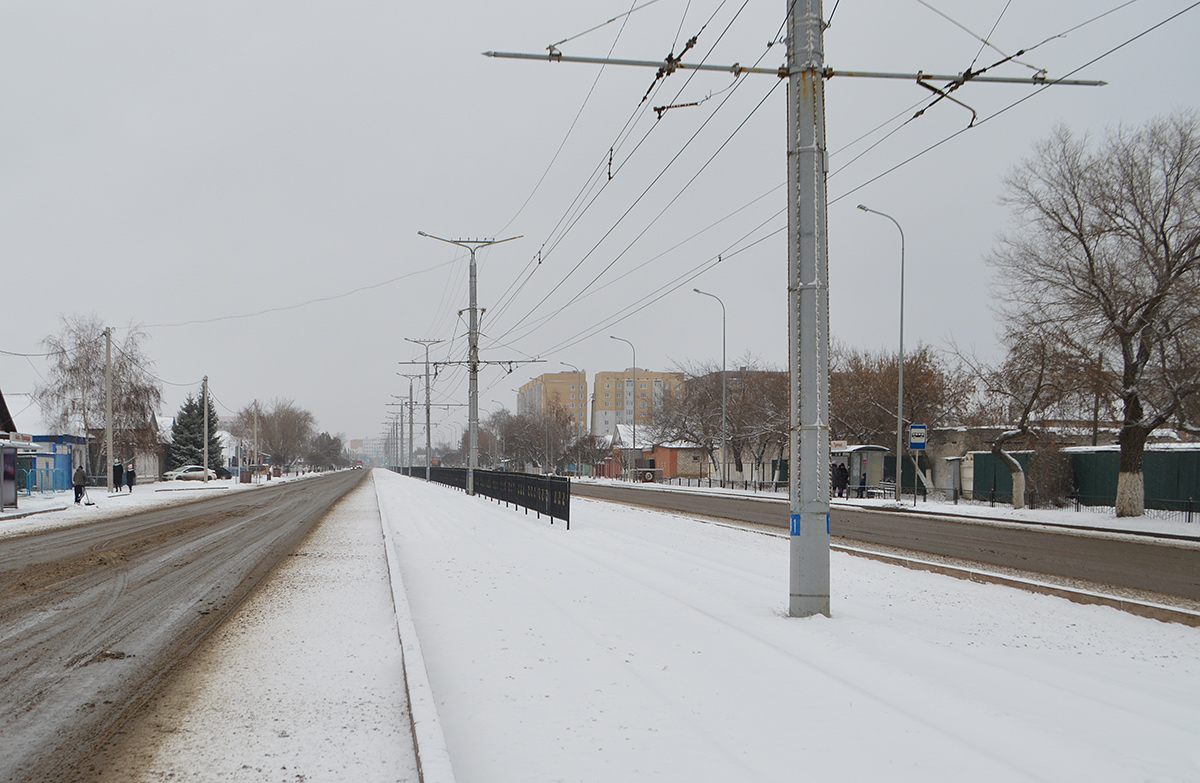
<point x="631" y="346"/>
<point x="724" y="418"/>
<point x="900" y="365"/>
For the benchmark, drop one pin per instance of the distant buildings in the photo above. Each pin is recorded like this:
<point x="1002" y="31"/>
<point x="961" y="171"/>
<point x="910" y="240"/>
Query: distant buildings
<point x="567" y="390"/>
<point x="616" y="401"/>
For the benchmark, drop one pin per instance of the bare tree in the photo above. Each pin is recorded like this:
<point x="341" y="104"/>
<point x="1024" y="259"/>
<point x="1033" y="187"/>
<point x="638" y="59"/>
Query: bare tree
<point x="72" y="398"/>
<point x="1107" y="258"/>
<point x="862" y="392"/>
<point x="285" y="431"/>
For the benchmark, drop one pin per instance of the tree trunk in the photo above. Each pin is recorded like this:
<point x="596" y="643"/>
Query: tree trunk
<point x="1131" y="487"/>
<point x="1014" y="469"/>
<point x="1018" y="482"/>
<point x="1131" y="482"/>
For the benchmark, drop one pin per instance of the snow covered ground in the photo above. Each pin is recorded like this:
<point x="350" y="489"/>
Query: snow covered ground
<point x="42" y="510"/>
<point x="305" y="682"/>
<point x="646" y="646"/>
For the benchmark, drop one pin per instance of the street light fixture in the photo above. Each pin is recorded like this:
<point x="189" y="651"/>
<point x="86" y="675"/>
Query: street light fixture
<point x="724" y="418"/>
<point x="900" y="366"/>
<point x="635" y="397"/>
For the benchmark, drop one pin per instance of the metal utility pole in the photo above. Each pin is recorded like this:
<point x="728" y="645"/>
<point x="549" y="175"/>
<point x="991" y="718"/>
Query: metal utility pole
<point x="473" y="354"/>
<point x="808" y="279"/>
<point x="257" y="455"/>
<point x="428" y="420"/>
<point x="724" y="417"/>
<point x="900" y="367"/>
<point x="410" y="377"/>
<point x="634" y="444"/>
<point x="204" y="408"/>
<point x="808" y="312"/>
<point x="108" y="414"/>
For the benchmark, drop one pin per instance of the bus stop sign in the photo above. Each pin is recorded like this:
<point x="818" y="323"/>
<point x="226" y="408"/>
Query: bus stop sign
<point x="916" y="437"/>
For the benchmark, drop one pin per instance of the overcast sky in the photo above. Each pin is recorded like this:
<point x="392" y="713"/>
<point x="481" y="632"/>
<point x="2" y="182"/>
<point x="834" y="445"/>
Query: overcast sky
<point x="204" y="170"/>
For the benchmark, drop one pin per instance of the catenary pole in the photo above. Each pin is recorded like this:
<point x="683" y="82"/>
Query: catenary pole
<point x="808" y="267"/>
<point x="472" y="355"/>
<point x="900" y="364"/>
<point x="808" y="313"/>
<point x="428" y="418"/>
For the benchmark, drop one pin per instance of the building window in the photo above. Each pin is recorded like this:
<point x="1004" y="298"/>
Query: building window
<point x="618" y="395"/>
<point x="643" y="385"/>
<point x="607" y="394"/>
<point x="643" y="403"/>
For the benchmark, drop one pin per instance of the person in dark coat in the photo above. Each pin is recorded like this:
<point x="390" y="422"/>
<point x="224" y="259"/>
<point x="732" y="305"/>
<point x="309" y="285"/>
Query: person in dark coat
<point x="118" y="476"/>
<point x="840" y="479"/>
<point x="79" y="480"/>
<point x="130" y="477"/>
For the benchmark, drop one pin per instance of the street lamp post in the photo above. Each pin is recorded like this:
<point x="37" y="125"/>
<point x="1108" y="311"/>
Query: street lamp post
<point x="724" y="417"/>
<point x="579" y="388"/>
<point x="635" y="397"/>
<point x="900" y="364"/>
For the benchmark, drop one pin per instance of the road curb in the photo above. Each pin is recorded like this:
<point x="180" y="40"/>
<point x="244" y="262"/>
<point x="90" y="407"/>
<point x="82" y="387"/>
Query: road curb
<point x="433" y="758"/>
<point x="23" y="514"/>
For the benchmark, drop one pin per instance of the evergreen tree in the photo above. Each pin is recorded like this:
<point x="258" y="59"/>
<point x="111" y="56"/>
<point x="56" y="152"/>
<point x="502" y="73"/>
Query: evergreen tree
<point x="187" y="435"/>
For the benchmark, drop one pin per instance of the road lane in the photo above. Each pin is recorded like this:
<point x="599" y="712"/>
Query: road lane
<point x="93" y="618"/>
<point x="1153" y="565"/>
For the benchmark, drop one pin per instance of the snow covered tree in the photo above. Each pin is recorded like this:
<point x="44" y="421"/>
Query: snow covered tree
<point x="187" y="436"/>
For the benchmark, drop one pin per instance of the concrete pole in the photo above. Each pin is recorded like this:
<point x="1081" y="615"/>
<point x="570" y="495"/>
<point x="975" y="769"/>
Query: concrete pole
<point x="808" y="312"/>
<point x="108" y="407"/>
<point x="900" y="364"/>
<point x="410" y="424"/>
<point x="257" y="453"/>
<point x="724" y="416"/>
<point x="204" y="409"/>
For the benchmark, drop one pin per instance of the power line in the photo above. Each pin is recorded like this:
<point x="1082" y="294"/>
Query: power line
<point x="270" y="310"/>
<point x="1017" y="102"/>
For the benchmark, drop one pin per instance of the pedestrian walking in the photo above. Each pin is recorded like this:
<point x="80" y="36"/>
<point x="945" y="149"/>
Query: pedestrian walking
<point x="79" y="481"/>
<point x="118" y="473"/>
<point x="130" y="477"/>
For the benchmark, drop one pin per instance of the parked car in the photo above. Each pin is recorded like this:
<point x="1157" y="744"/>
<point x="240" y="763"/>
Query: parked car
<point x="223" y="473"/>
<point x="189" y="472"/>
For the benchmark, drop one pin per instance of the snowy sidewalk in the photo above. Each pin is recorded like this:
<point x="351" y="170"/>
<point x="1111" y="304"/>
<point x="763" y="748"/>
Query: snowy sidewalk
<point x="648" y="646"/>
<point x="304" y="682"/>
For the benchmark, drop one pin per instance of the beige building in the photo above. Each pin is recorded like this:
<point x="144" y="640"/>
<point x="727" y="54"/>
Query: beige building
<point x="616" y="401"/>
<point x="567" y="390"/>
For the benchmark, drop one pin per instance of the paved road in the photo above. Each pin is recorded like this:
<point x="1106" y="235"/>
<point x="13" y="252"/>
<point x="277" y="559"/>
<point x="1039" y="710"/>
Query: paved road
<point x="93" y="618"/>
<point x="1170" y="568"/>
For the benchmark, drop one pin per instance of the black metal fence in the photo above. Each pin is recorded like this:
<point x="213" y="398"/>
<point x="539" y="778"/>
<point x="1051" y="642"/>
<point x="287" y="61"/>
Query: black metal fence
<point x="549" y="495"/>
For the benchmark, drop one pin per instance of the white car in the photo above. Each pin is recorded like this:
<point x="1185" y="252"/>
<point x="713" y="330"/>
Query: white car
<point x="189" y="472"/>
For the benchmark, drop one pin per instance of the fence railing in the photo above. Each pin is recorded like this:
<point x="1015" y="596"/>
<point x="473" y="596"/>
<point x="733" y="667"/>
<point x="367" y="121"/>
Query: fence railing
<point x="42" y="480"/>
<point x="549" y="495"/>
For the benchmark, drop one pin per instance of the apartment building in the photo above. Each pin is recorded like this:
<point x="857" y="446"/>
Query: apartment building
<point x="616" y="401"/>
<point x="567" y="390"/>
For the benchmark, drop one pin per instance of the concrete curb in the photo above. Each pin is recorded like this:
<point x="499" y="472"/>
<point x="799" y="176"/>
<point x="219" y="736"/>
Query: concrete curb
<point x="23" y="514"/>
<point x="433" y="758"/>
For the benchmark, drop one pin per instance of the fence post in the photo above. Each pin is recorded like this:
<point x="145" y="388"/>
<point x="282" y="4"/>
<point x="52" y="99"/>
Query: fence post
<point x="993" y="497"/>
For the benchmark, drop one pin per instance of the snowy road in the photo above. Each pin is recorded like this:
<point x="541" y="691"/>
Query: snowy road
<point x="645" y="646"/>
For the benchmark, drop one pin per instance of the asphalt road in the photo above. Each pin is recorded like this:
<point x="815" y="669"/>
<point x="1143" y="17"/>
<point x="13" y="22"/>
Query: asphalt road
<point x="94" y="618"/>
<point x="1153" y="565"/>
